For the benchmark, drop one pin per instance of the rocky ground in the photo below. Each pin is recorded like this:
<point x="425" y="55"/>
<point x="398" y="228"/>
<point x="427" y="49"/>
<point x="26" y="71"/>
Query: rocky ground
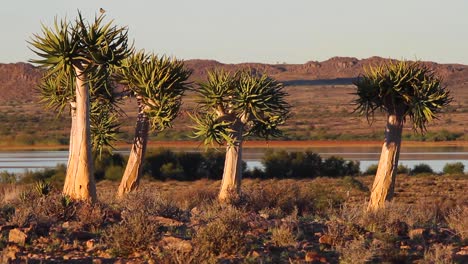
<point x="274" y="221"/>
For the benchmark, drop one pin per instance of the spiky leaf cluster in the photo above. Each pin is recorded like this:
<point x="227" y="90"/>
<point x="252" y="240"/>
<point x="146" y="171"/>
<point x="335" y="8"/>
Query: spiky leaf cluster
<point x="160" y="83"/>
<point x="96" y="48"/>
<point x="255" y="101"/>
<point x="408" y="88"/>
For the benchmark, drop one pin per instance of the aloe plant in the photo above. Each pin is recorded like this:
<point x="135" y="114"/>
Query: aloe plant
<point x="78" y="57"/>
<point x="403" y="90"/>
<point x="232" y="107"/>
<point x="158" y="83"/>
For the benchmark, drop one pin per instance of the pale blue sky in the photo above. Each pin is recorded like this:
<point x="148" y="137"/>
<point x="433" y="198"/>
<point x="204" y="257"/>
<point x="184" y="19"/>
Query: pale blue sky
<point x="269" y="31"/>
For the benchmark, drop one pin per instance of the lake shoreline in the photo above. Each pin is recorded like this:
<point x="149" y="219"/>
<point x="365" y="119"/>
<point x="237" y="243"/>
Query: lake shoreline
<point x="252" y="144"/>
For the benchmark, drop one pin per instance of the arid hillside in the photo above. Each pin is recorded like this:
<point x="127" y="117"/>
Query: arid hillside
<point x="321" y="94"/>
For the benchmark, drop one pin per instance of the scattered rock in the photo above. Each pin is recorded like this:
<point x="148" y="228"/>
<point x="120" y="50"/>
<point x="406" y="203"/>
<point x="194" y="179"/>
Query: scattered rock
<point x="10" y="253"/>
<point x="176" y="243"/>
<point x="166" y="221"/>
<point x="90" y="244"/>
<point x="255" y="254"/>
<point x="265" y="216"/>
<point x="326" y="239"/>
<point x="418" y="232"/>
<point x="17" y="236"/>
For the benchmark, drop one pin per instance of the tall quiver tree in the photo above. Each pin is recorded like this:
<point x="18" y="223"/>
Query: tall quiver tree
<point x="158" y="84"/>
<point x="78" y="58"/>
<point x="233" y="106"/>
<point x="401" y="90"/>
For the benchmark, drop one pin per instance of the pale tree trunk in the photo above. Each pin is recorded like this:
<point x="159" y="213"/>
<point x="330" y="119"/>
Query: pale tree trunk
<point x="232" y="175"/>
<point x="384" y="182"/>
<point x="72" y="162"/>
<point x="79" y="181"/>
<point x="132" y="174"/>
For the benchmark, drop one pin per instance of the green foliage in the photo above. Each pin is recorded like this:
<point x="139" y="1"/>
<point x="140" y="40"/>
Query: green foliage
<point x="159" y="82"/>
<point x="114" y="173"/>
<point x="372" y="169"/>
<point x="454" y="168"/>
<point x="281" y="164"/>
<point x="6" y="177"/>
<point x="421" y="168"/>
<point x="409" y="89"/>
<point x="244" y="103"/>
<point x="337" y="166"/>
<point x="54" y="175"/>
<point x="96" y="49"/>
<point x="42" y="188"/>
<point x="113" y="162"/>
<point x="165" y="165"/>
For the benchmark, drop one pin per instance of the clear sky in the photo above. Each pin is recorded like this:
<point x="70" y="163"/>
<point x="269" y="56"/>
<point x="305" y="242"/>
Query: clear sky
<point x="268" y="31"/>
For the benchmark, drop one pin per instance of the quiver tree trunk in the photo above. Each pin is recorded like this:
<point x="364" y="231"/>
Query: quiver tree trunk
<point x="133" y="171"/>
<point x="232" y="175"/>
<point x="384" y="182"/>
<point x="79" y="181"/>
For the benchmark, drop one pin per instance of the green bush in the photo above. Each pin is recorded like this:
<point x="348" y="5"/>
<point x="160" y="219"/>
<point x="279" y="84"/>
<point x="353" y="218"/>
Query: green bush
<point x="337" y="166"/>
<point x="114" y="173"/>
<point x="402" y="169"/>
<point x="107" y="161"/>
<point x="421" y="168"/>
<point x="454" y="168"/>
<point x="281" y="164"/>
<point x="6" y="177"/>
<point x="371" y="170"/>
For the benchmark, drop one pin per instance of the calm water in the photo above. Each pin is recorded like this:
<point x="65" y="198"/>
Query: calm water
<point x="436" y="157"/>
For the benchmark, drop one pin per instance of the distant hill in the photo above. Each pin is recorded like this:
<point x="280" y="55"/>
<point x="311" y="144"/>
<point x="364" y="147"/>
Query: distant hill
<point x="18" y="80"/>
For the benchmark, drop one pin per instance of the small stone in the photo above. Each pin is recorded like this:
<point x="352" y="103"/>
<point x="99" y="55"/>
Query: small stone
<point x="418" y="232"/>
<point x="17" y="236"/>
<point x="255" y="254"/>
<point x="311" y="256"/>
<point x="323" y="260"/>
<point x="10" y="253"/>
<point x="265" y="216"/>
<point x="176" y="243"/>
<point x="166" y="221"/>
<point x="90" y="244"/>
<point x="326" y="239"/>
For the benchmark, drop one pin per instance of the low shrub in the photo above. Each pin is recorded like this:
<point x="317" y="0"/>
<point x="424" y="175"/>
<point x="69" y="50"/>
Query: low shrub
<point x="454" y="168"/>
<point x="225" y="234"/>
<point x="134" y="233"/>
<point x="6" y="177"/>
<point x="337" y="166"/>
<point x="371" y="170"/>
<point x="282" y="236"/>
<point x="421" y="168"/>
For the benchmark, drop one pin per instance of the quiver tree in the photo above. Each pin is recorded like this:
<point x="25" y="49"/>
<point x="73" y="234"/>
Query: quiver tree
<point x="79" y="58"/>
<point x="401" y="90"/>
<point x="158" y="84"/>
<point x="233" y="106"/>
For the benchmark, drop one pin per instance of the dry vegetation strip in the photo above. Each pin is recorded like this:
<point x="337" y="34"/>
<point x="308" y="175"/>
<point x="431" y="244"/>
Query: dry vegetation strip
<point x="274" y="221"/>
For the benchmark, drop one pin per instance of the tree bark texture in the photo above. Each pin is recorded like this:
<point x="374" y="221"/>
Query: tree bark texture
<point x="133" y="170"/>
<point x="79" y="181"/>
<point x="232" y="175"/>
<point x="384" y="182"/>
